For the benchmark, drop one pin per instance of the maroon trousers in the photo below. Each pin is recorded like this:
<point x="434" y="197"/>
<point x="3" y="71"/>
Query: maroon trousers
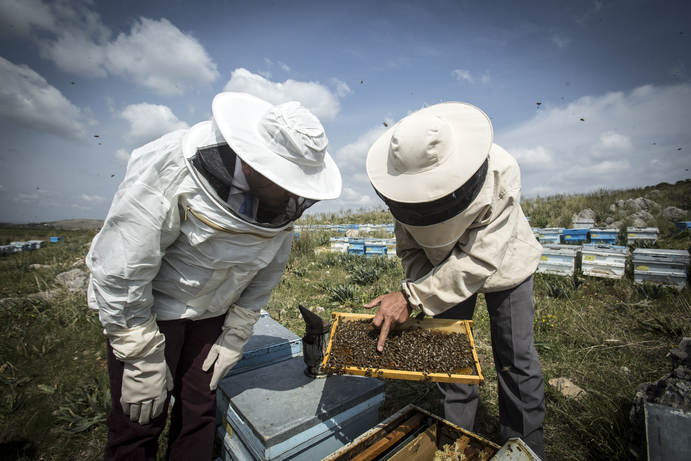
<point x="193" y="418"/>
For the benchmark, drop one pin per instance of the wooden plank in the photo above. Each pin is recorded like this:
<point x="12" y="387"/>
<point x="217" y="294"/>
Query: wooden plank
<point x="394" y="436"/>
<point x="422" y="448"/>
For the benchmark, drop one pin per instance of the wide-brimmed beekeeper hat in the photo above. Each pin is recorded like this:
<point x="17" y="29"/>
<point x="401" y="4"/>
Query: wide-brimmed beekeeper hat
<point x="430" y="165"/>
<point x="285" y="143"/>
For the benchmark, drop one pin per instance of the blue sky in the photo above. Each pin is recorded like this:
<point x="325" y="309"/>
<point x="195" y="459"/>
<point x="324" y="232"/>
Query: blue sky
<point x="83" y="83"/>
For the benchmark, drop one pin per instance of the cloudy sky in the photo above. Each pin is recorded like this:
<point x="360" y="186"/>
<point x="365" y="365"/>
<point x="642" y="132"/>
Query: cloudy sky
<point x="585" y="94"/>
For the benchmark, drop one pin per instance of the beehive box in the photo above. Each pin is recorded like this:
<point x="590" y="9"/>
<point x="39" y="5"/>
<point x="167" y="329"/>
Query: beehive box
<point x="604" y="235"/>
<point x="641" y="234"/>
<point x="600" y="260"/>
<point x="356" y="245"/>
<point x="575" y="236"/>
<point x="391" y="248"/>
<point x="666" y="267"/>
<point x="339" y="244"/>
<point x="469" y="375"/>
<point x="56" y="239"/>
<point x="559" y="259"/>
<point x="413" y="434"/>
<point x="583" y="223"/>
<point x="683" y="225"/>
<point x="550" y="235"/>
<point x="278" y="413"/>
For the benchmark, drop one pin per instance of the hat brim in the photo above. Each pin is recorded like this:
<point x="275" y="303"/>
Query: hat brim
<point x="474" y="138"/>
<point x="237" y="115"/>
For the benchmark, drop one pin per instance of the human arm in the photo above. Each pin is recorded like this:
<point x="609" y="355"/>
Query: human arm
<point x="239" y="322"/>
<point x="124" y="258"/>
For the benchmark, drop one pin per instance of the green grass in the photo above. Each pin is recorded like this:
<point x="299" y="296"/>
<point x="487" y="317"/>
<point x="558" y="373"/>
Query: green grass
<point x="607" y="336"/>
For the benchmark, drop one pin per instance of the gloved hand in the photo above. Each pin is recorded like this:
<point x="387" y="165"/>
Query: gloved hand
<point x="226" y="352"/>
<point x="145" y="385"/>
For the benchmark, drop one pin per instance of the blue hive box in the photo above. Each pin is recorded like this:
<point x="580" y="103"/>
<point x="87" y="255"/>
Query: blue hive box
<point x="575" y="235"/>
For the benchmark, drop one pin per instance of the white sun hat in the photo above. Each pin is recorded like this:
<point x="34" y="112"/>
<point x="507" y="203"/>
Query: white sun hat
<point x="431" y="153"/>
<point x="284" y="143"/>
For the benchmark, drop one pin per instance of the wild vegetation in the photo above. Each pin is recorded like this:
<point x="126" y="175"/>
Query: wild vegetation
<point x="605" y="335"/>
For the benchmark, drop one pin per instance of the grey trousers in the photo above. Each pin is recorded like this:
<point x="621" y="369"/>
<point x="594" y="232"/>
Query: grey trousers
<point x="519" y="375"/>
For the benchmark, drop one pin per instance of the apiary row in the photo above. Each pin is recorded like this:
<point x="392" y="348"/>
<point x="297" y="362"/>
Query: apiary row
<point x="667" y="267"/>
<point x="29" y="245"/>
<point x="345" y="227"/>
<point x="559" y="235"/>
<point x="364" y="246"/>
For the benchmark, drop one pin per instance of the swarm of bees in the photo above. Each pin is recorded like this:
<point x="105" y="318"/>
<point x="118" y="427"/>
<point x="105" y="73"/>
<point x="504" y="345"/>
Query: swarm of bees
<point x="420" y="350"/>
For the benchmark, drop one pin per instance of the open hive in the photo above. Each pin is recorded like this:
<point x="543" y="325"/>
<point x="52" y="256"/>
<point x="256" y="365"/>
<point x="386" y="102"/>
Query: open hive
<point x="429" y="349"/>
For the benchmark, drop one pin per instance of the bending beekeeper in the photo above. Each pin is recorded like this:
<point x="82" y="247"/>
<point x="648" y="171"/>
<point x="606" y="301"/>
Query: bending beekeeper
<point x="197" y="235"/>
<point x="460" y="231"/>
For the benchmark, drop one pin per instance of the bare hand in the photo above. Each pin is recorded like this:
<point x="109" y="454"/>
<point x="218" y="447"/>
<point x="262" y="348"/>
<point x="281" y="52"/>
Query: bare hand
<point x="393" y="311"/>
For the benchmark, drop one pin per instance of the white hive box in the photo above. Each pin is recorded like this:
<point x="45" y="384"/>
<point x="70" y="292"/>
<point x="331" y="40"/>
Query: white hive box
<point x="550" y="235"/>
<point x="583" y="223"/>
<point x="559" y="259"/>
<point x="599" y="260"/>
<point x="667" y="267"/>
<point x="641" y="234"/>
<point x="278" y="413"/>
<point x="339" y="244"/>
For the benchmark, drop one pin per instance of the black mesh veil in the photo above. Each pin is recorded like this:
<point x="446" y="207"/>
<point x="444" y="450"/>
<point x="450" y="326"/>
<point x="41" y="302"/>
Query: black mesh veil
<point x="217" y="165"/>
<point x="440" y="210"/>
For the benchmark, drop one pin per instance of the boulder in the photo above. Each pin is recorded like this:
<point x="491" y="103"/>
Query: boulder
<point x="74" y="280"/>
<point x="567" y="388"/>
<point x="674" y="213"/>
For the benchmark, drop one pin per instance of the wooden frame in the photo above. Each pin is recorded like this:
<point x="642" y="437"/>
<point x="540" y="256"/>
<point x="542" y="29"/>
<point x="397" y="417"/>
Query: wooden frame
<point x="470" y="375"/>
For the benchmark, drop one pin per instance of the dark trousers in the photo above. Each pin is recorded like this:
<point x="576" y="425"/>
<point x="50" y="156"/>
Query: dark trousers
<point x="193" y="418"/>
<point x="519" y="375"/>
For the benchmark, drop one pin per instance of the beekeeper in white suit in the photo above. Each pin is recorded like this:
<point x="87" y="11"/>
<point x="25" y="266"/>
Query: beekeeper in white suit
<point x="197" y="235"/>
<point x="460" y="231"/>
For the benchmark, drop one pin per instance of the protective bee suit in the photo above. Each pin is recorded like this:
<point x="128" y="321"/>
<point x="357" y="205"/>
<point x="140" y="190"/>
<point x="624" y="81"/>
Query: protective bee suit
<point x="460" y="231"/>
<point x="174" y="250"/>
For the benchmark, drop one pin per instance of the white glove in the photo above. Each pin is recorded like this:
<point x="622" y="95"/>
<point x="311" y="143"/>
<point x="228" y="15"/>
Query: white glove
<point x="226" y="352"/>
<point x="145" y="385"/>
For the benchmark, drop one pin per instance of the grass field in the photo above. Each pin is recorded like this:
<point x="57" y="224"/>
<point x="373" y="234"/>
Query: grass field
<point x="607" y="336"/>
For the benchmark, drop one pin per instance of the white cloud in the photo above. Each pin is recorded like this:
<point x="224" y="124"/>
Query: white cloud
<point x="463" y="75"/>
<point x="342" y="88"/>
<point x="624" y="140"/>
<point x="560" y="40"/>
<point x="284" y="66"/>
<point x="351" y="157"/>
<point x="158" y="56"/>
<point x="27" y="100"/>
<point x="21" y="17"/>
<point x="95" y="199"/>
<point x="122" y="155"/>
<point x="148" y="122"/>
<point x="154" y="54"/>
<point x="313" y="95"/>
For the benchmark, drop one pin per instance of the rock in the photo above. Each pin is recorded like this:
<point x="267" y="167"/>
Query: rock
<point x="673" y="390"/>
<point x="45" y="295"/>
<point x="640" y="218"/>
<point x="638" y="204"/>
<point x="585" y="214"/>
<point x="626" y="371"/>
<point x="672" y="212"/>
<point x="567" y="388"/>
<point x="74" y="280"/>
<point x="352" y="233"/>
<point x="609" y="221"/>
